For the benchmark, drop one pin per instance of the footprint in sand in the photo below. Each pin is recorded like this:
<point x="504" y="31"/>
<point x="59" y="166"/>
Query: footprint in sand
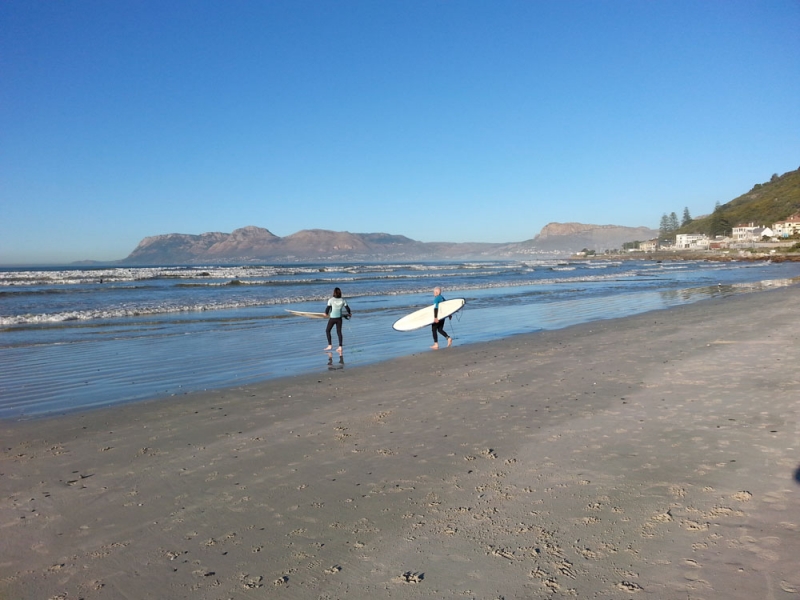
<point x="629" y="586"/>
<point x="411" y="577"/>
<point x="692" y="525"/>
<point x="664" y="517"/>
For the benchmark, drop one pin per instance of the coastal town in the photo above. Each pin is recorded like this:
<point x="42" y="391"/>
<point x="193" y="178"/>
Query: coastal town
<point x="777" y="237"/>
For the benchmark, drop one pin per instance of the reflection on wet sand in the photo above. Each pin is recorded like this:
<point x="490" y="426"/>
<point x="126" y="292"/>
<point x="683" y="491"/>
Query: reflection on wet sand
<point x="721" y="290"/>
<point x="338" y="365"/>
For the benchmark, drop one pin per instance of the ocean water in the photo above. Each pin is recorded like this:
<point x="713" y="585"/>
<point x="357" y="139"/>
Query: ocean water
<point x="76" y="338"/>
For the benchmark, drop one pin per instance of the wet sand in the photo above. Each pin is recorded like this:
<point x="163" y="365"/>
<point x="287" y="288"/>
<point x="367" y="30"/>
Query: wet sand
<point x="651" y="456"/>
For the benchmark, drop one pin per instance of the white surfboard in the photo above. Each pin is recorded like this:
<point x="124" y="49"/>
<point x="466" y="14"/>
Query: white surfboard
<point x="424" y="316"/>
<point x="310" y="315"/>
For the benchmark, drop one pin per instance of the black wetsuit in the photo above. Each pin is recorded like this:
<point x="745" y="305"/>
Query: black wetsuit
<point x="437" y="328"/>
<point x="337" y="321"/>
<point x="331" y="323"/>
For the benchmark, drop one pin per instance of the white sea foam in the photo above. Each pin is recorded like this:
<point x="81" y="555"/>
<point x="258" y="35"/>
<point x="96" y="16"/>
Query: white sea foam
<point x="124" y="274"/>
<point x="150" y="309"/>
<point x="285" y="284"/>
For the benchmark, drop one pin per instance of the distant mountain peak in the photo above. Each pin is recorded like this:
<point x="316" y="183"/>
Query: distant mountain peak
<point x="562" y="229"/>
<point x="572" y="237"/>
<point x="251" y="231"/>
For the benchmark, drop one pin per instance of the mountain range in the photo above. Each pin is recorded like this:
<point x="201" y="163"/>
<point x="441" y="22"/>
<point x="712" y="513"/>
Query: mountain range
<point x="256" y="244"/>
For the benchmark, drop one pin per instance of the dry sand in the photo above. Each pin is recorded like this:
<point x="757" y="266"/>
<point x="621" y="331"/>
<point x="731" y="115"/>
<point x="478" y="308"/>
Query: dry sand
<point x="652" y="456"/>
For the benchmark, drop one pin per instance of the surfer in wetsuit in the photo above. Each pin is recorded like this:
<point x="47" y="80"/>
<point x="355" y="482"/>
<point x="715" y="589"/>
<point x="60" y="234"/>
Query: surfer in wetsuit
<point x="437" y="326"/>
<point x="334" y="312"/>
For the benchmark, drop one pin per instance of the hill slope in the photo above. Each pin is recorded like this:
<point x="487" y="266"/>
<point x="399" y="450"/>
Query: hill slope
<point x="765" y="204"/>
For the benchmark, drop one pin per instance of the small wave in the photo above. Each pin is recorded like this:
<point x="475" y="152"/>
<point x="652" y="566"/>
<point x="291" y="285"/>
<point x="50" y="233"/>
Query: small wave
<point x="61" y="291"/>
<point x="117" y="312"/>
<point x="67" y="277"/>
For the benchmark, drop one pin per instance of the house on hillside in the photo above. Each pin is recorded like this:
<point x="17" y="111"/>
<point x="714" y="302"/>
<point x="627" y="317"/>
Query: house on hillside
<point x="787" y="228"/>
<point x="648" y="246"/>
<point x="751" y="233"/>
<point x="691" y="241"/>
<point x="764" y="232"/>
<point x="720" y="242"/>
<point x="740" y="233"/>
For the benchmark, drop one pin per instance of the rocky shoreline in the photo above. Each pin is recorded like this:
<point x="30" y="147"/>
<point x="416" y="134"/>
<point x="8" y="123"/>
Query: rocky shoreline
<point x="697" y="255"/>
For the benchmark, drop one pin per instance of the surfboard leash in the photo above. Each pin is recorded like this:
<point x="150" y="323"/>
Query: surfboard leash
<point x="457" y="315"/>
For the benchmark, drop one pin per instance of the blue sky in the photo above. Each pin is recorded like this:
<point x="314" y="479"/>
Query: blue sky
<point x="456" y="120"/>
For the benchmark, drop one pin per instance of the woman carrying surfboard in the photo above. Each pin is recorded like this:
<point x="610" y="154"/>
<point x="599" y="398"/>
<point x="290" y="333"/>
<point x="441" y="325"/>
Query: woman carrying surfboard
<point x="434" y="315"/>
<point x="437" y="326"/>
<point x="334" y="311"/>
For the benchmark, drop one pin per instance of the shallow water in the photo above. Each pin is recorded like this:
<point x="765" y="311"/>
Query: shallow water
<point x="72" y="339"/>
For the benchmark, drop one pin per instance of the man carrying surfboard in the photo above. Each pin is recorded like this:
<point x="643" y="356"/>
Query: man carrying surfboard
<point x="437" y="326"/>
<point x="334" y="312"/>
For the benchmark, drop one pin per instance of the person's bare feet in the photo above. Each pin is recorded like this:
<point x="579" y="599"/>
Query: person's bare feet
<point x="328" y="348"/>
<point x="339" y="349"/>
<point x="435" y="347"/>
<point x="449" y="342"/>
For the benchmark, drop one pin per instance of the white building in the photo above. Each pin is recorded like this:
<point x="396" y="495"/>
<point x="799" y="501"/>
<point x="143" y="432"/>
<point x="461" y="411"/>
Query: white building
<point x="691" y="241"/>
<point x="751" y="233"/>
<point x="743" y="233"/>
<point x="763" y="232"/>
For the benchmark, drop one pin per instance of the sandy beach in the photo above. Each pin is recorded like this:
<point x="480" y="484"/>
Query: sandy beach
<point x="652" y="456"/>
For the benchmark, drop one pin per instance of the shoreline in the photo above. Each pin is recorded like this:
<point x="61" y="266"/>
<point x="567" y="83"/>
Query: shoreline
<point x="654" y="453"/>
<point x="107" y="372"/>
<point x="702" y="255"/>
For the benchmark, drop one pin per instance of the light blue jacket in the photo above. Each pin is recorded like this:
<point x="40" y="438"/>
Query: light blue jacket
<point x="336" y="304"/>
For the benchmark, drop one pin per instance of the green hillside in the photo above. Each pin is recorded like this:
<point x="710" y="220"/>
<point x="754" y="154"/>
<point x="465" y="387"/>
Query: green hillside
<point x="765" y="204"/>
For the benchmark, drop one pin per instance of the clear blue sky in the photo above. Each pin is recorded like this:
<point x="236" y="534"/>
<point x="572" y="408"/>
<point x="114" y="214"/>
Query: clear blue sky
<point x="441" y="120"/>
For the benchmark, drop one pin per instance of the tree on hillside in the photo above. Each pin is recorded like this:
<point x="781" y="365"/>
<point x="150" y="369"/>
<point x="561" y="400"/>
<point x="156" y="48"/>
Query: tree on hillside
<point x="663" y="227"/>
<point x="673" y="222"/>
<point x="687" y="218"/>
<point x="719" y="224"/>
<point x="669" y="225"/>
